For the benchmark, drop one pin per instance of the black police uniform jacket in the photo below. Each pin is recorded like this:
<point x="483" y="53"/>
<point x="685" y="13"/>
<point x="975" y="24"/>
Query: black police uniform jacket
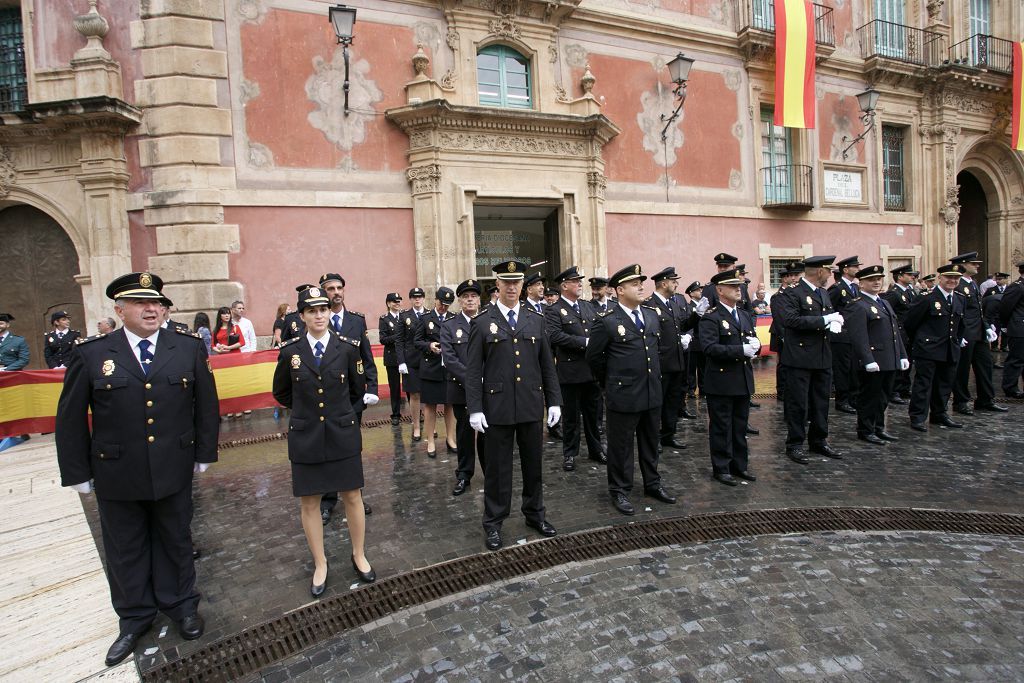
<point x="727" y="372"/>
<point x="900" y="300"/>
<point x="293" y="326"/>
<point x="936" y="327"/>
<point x="324" y="425"/>
<point x="1011" y="309"/>
<point x="974" y="328"/>
<point x="455" y="352"/>
<point x="625" y="360"/>
<point x="428" y="331"/>
<point x="510" y="375"/>
<point x="874" y="333"/>
<point x="568" y="334"/>
<point x="148" y="430"/>
<point x="990" y="307"/>
<point x="674" y="321"/>
<point x="807" y="338"/>
<point x="390" y="330"/>
<point x="405" y="346"/>
<point x="777" y="333"/>
<point x="57" y="350"/>
<point x="353" y="326"/>
<point x="711" y="294"/>
<point x="841" y="295"/>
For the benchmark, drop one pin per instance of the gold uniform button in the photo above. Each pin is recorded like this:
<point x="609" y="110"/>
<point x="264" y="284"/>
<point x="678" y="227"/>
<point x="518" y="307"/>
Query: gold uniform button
<point x="517" y="366"/>
<point x="151" y="439"/>
<point x="321" y="405"/>
<point x="320" y="391"/>
<point x="519" y="379"/>
<point x="515" y="341"/>
<point x="149" y="421"/>
<point x="108" y="386"/>
<point x="149" y="404"/>
<point x="148" y="385"/>
<point x="321" y="418"/>
<point x="517" y="353"/>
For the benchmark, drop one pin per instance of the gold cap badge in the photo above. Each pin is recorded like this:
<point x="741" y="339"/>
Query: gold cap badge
<point x="511" y="266"/>
<point x="146" y="280"/>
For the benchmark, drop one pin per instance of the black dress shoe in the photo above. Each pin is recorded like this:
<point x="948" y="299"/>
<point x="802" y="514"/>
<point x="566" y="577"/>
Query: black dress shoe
<point x="992" y="408"/>
<point x="569" y="463"/>
<point x="196" y="553"/>
<point x="493" y="541"/>
<point x="674" y="443"/>
<point x="365" y="577"/>
<point x="661" y="494"/>
<point x="687" y="415"/>
<point x="725" y="478"/>
<point x="122" y="647"/>
<point x="898" y="401"/>
<point x="191" y="627"/>
<point x="755" y="404"/>
<point x="460" y="487"/>
<point x="751" y="430"/>
<point x="871" y="438"/>
<point x="846" y="408"/>
<point x="826" y="450"/>
<point x="555" y="433"/>
<point x="367" y="510"/>
<point x="746" y="474"/>
<point x="325" y="515"/>
<point x="1014" y="394"/>
<point x="543" y="527"/>
<point x="797" y="456"/>
<point x="395" y="419"/>
<point x="946" y="421"/>
<point x="622" y="504"/>
<point x="919" y="426"/>
<point x="963" y="409"/>
<point x="601" y="457"/>
<point x="886" y="436"/>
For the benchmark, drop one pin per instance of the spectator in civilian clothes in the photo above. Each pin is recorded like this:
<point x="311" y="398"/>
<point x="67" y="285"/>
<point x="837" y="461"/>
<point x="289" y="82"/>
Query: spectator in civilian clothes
<point x="279" y="324"/>
<point x="201" y="325"/>
<point x="227" y="338"/>
<point x="245" y="325"/>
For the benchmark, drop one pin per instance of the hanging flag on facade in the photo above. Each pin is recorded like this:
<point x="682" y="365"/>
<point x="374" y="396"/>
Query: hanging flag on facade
<point x="1017" y="134"/>
<point x="794" y="64"/>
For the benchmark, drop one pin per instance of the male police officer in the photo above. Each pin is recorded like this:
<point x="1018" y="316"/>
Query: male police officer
<point x="510" y="376"/>
<point x="900" y="297"/>
<point x="455" y="353"/>
<point x="389" y="327"/>
<point x="59" y="341"/>
<point x="154" y="423"/>
<point x="844" y="375"/>
<point x="977" y="355"/>
<point x="1011" y="319"/>
<point x="790" y="275"/>
<point x="674" y="343"/>
<point x="623" y="354"/>
<point x="568" y="323"/>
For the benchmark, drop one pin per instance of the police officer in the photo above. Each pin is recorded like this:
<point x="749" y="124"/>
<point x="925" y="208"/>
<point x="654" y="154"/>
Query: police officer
<point x="154" y="423"/>
<point x="807" y="319"/>
<point x="568" y="323"/>
<point x="533" y="292"/>
<point x="409" y="357"/>
<point x="844" y="375"/>
<point x="926" y="284"/>
<point x="878" y="353"/>
<point x="510" y="377"/>
<point x="293" y="325"/>
<point x="14" y="353"/>
<point x="455" y="353"/>
<point x="728" y="343"/>
<point x="167" y="304"/>
<point x="900" y="297"/>
<point x="936" y="328"/>
<point x="389" y="327"/>
<point x="724" y="263"/>
<point x="693" y="356"/>
<point x="977" y="355"/>
<point x="599" y="298"/>
<point x="674" y="343"/>
<point x="789" y="277"/>
<point x="1011" y="321"/>
<point x="433" y="380"/>
<point x="623" y="354"/>
<point x="60" y="340"/>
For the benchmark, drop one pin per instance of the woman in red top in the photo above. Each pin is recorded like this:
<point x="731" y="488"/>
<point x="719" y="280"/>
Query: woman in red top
<point x="227" y="338"/>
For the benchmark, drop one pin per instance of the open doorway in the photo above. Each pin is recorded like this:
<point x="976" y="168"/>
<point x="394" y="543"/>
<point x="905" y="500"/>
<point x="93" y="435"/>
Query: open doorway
<point x="527" y="233"/>
<point x="972" y="232"/>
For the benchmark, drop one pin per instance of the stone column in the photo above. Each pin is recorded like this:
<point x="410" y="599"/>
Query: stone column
<point x="940" y="206"/>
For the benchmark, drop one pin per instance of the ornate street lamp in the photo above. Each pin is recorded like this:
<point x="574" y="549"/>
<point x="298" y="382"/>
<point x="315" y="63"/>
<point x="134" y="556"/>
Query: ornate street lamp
<point x="679" y="72"/>
<point x="867" y="101"/>
<point x="343" y="19"/>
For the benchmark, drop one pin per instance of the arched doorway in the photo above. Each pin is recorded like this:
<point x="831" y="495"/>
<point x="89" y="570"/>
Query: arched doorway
<point x="40" y="265"/>
<point x="972" y="227"/>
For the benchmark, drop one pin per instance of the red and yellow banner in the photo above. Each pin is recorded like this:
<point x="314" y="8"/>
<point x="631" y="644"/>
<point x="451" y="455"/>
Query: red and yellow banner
<point x="28" y="398"/>
<point x="1017" y="134"/>
<point x="794" y="64"/>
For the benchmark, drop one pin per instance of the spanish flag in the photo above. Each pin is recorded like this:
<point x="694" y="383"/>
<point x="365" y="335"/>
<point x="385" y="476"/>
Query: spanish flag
<point x="794" y="64"/>
<point x="1017" y="141"/>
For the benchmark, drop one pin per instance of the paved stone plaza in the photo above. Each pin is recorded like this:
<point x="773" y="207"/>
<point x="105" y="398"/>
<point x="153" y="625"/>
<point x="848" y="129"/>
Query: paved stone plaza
<point x="861" y="606"/>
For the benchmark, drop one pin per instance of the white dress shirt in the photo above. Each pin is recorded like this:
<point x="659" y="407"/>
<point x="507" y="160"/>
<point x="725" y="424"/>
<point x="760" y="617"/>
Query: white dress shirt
<point x="134" y="339"/>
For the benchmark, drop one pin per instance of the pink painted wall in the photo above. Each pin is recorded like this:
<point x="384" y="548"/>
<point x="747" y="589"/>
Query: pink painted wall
<point x="839" y="115"/>
<point x="282" y="247"/>
<point x="690" y="242"/>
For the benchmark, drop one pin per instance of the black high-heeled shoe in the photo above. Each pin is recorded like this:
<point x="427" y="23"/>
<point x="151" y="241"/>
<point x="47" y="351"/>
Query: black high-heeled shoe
<point x="366" y="577"/>
<point x="316" y="590"/>
<point x="431" y="453"/>
<point x="417" y="437"/>
<point x="452" y="450"/>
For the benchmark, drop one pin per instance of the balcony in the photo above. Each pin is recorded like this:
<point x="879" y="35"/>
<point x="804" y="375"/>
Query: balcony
<point x="895" y="53"/>
<point x="788" y="187"/>
<point x="756" y="32"/>
<point x="983" y="52"/>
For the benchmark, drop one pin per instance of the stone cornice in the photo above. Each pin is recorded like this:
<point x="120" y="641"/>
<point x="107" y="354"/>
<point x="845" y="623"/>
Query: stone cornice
<point x="49" y="119"/>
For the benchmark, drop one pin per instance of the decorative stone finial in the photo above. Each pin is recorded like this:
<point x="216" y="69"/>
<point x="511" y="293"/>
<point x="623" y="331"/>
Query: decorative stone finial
<point x="587" y="80"/>
<point x="420" y="62"/>
<point x="93" y="26"/>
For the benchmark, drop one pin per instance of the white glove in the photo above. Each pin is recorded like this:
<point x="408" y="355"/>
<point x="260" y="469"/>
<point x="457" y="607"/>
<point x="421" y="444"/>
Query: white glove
<point x="835" y="327"/>
<point x="872" y="367"/>
<point x="403" y="369"/>
<point x="834" y="317"/>
<point x="749" y="351"/>
<point x="990" y="335"/>
<point x="904" y="364"/>
<point x="371" y="399"/>
<point x="554" y="415"/>
<point x="685" y="340"/>
<point x="755" y="342"/>
<point x="200" y="467"/>
<point x="703" y="305"/>
<point x="963" y="343"/>
<point x="84" y="487"/>
<point x="478" y="422"/>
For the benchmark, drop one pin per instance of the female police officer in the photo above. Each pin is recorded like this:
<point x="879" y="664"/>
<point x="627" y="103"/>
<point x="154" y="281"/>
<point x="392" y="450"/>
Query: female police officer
<point x="320" y="377"/>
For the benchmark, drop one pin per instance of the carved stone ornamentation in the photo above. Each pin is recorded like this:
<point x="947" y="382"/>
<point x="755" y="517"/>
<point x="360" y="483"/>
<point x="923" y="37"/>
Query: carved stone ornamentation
<point x="448" y="80"/>
<point x="425" y="179"/>
<point x="735" y="179"/>
<point x="951" y="211"/>
<point x="248" y="91"/>
<point x="587" y="81"/>
<point x="419" y="138"/>
<point x="251" y="11"/>
<point x="452" y="38"/>
<point x="420" y="62"/>
<point x="512" y="143"/>
<point x="596" y="184"/>
<point x="324" y="89"/>
<point x="552" y="53"/>
<point x="93" y="26"/>
<point x="561" y="95"/>
<point x="966" y="102"/>
<point x="260" y="156"/>
<point x="934" y="9"/>
<point x="505" y="26"/>
<point x="7" y="172"/>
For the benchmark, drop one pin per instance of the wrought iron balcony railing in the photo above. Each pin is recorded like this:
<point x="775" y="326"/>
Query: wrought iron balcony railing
<point x="901" y="43"/>
<point x="13" y="82"/>
<point x="760" y="14"/>
<point x="788" y="187"/>
<point x="983" y="52"/>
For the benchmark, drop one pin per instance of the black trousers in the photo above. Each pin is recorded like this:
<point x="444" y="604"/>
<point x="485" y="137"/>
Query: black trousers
<point x="806" y="400"/>
<point x="875" y="390"/>
<point x="469" y="443"/>
<point x="780" y="376"/>
<point x="933" y="383"/>
<point x="727" y="433"/>
<point x="673" y="386"/>
<point x="901" y="385"/>
<point x="977" y="356"/>
<point x="623" y="429"/>
<point x="580" y="400"/>
<point x="1013" y="366"/>
<point x="148" y="545"/>
<point x="395" y="387"/>
<point x="844" y="374"/>
<point x="498" y="473"/>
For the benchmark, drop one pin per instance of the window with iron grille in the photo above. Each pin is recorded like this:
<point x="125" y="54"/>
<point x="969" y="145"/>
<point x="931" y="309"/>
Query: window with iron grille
<point x="13" y="84"/>
<point x="892" y="168"/>
<point x="775" y="267"/>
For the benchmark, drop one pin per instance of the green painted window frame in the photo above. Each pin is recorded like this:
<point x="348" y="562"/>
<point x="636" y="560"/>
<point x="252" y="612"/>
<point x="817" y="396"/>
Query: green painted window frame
<point x="499" y="83"/>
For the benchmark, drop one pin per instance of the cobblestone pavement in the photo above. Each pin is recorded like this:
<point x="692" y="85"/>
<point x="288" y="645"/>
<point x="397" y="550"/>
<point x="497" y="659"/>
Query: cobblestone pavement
<point x="255" y="565"/>
<point x="838" y="606"/>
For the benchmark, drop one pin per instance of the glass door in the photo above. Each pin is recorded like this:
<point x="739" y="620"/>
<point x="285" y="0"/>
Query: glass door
<point x="776" y="160"/>
<point x="980" y="26"/>
<point x="890" y="32"/>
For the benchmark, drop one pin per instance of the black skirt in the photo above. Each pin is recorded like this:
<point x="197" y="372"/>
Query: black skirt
<point x="411" y="381"/>
<point x="434" y="393"/>
<point x="327" y="477"/>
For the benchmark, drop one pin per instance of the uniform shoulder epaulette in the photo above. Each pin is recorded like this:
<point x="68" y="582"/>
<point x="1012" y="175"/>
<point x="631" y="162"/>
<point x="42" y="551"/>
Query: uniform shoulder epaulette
<point x="957" y="291"/>
<point x="361" y="315"/>
<point x="532" y="310"/>
<point x="187" y="332"/>
<point x="286" y="342"/>
<point x="353" y="342"/>
<point x="86" y="340"/>
<point x="656" y="309"/>
<point x="604" y="313"/>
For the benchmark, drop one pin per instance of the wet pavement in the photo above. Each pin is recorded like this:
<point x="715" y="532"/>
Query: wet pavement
<point x="255" y="565"/>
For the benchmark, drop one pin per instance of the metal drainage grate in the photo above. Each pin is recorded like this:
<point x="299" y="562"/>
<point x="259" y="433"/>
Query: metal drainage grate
<point x="245" y="653"/>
